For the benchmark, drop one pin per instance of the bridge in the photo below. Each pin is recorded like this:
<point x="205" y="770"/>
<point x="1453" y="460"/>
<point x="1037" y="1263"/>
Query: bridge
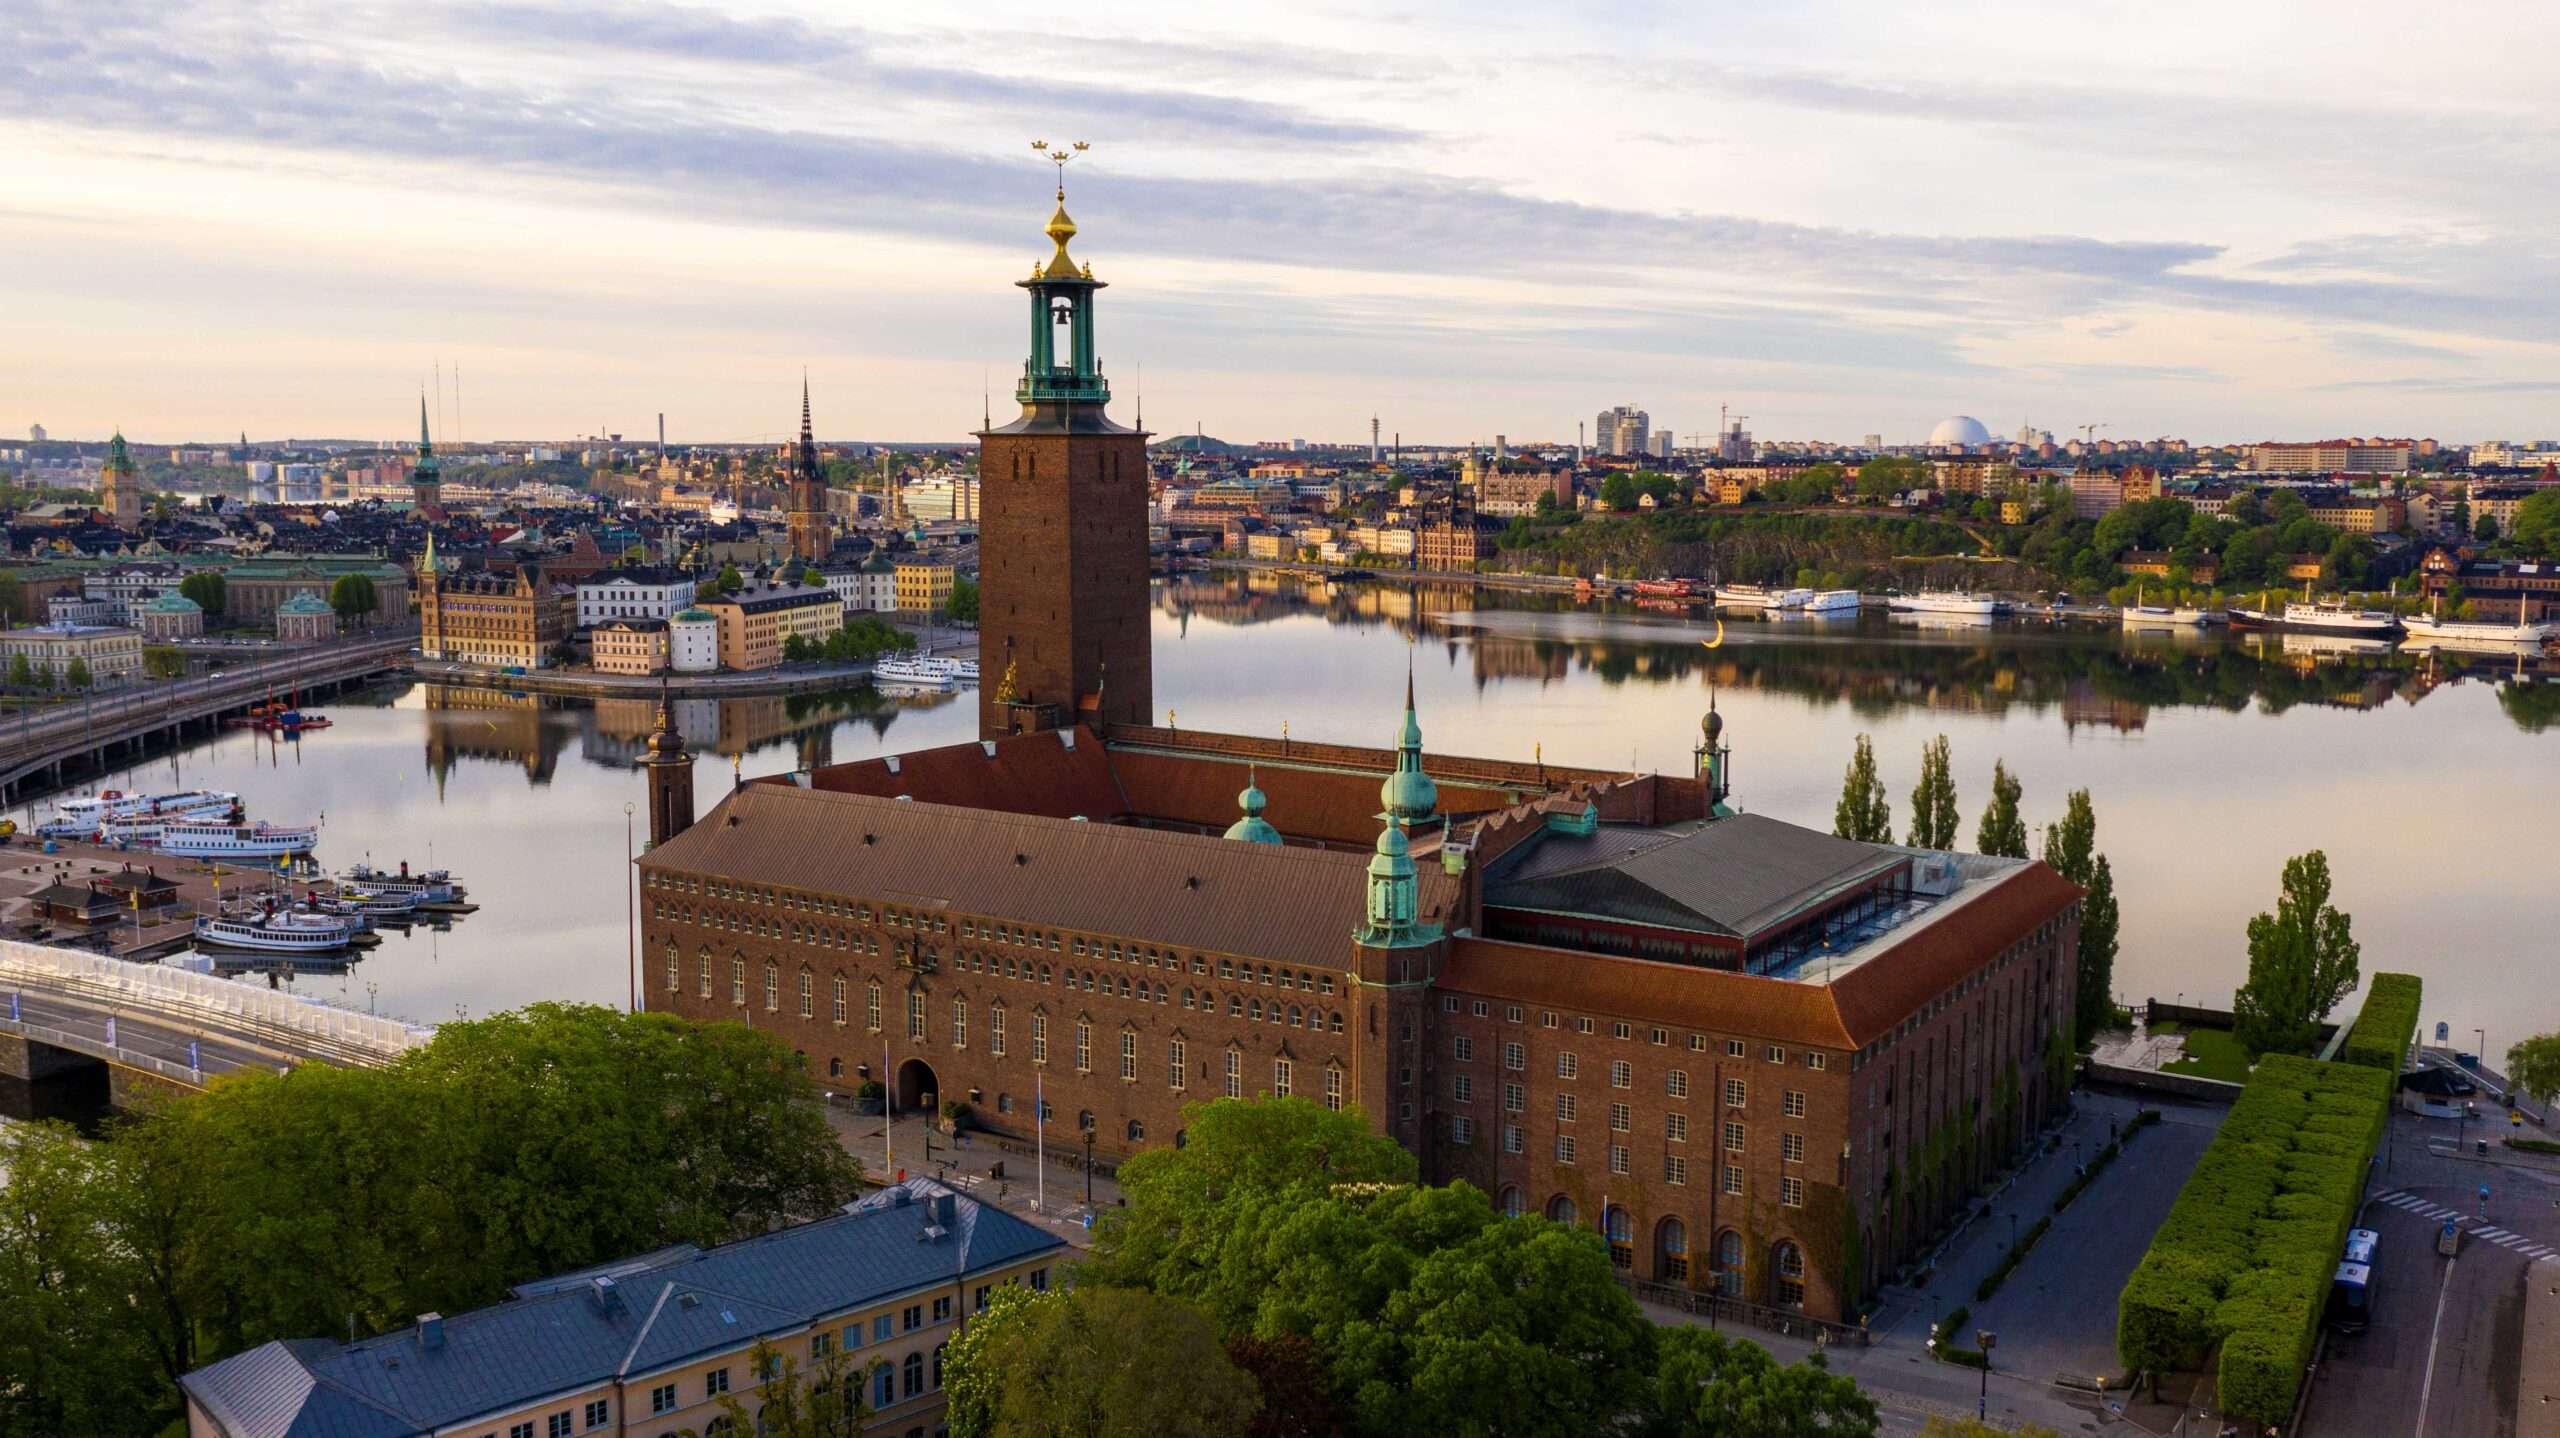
<point x="36" y="745"/>
<point x="160" y="1027"/>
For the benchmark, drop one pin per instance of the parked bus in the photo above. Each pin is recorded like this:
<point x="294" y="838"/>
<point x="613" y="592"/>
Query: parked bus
<point x="2351" y="1287"/>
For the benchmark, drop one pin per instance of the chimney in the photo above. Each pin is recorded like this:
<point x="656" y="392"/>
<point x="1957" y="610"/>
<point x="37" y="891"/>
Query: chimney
<point x="608" y="1296"/>
<point x="431" y="1331"/>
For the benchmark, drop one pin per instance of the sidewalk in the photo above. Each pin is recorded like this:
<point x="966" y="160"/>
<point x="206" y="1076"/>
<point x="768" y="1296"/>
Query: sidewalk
<point x="1054" y="1200"/>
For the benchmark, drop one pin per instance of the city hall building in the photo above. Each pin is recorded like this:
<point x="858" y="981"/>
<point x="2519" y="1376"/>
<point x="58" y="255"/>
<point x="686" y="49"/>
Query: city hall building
<point x="1763" y="1061"/>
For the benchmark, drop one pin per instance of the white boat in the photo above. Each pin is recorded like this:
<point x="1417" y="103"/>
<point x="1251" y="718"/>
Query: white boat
<point x="965" y="670"/>
<point x="287" y="931"/>
<point x="2139" y="615"/>
<point x="2436" y="629"/>
<point x="1760" y="596"/>
<point x="83" y="818"/>
<point x="913" y="671"/>
<point x="433" y="886"/>
<point x="2321" y="617"/>
<point x="1943" y="601"/>
<point x="238" y="841"/>
<point x="369" y="903"/>
<point x="1834" y="601"/>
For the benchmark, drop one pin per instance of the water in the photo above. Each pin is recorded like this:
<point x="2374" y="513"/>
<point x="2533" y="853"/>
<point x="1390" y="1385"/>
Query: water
<point x="2211" y="759"/>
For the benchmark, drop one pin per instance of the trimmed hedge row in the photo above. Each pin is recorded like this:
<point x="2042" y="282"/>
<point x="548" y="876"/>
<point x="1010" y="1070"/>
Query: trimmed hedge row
<point x="2244" y="1258"/>
<point x="2387" y="1024"/>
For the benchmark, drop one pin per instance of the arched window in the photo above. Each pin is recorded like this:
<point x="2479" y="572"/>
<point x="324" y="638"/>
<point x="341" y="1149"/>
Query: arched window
<point x="1622" y="1237"/>
<point x="808" y="994"/>
<point x="835" y="998"/>
<point x="937" y="1365"/>
<point x="1084" y="1120"/>
<point x="1297" y="1017"/>
<point x="1513" y="1204"/>
<point x="674" y="979"/>
<point x="1254" y="1008"/>
<point x="1786" y="1282"/>
<point x="914" y="1375"/>
<point x="1186" y="998"/>
<point x="835" y="1068"/>
<point x="1729" y="1263"/>
<point x="1137" y="1131"/>
<point x="1337" y="1021"/>
<point x="1235" y="1006"/>
<point x="884" y="1386"/>
<point x="1671" y="1251"/>
<point x="1560" y="1210"/>
<point x="772" y="986"/>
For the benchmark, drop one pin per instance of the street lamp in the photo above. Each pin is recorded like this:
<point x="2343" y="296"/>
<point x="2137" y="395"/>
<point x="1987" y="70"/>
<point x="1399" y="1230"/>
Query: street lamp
<point x="1088" y="1168"/>
<point x="369" y="988"/>
<point x="630" y="910"/>
<point x="1988" y="1341"/>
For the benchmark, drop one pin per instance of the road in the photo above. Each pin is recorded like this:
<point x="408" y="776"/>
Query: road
<point x="143" y="1033"/>
<point x="2442" y="1356"/>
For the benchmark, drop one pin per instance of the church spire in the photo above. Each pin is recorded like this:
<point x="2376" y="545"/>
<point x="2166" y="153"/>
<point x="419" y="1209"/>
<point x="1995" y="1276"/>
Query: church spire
<point x="1409" y="795"/>
<point x="426" y="467"/>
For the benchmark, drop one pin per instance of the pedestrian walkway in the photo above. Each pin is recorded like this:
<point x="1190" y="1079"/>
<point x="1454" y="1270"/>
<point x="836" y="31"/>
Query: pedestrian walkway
<point x="2411" y="1203"/>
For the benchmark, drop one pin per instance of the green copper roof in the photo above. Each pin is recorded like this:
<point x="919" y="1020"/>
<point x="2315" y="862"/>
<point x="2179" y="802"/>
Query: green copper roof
<point x="170" y="601"/>
<point x="1252" y="828"/>
<point x="305" y="603"/>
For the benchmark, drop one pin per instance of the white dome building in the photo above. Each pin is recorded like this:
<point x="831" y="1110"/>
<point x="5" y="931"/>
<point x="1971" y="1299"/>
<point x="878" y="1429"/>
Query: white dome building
<point x="693" y="641"/>
<point x="1960" y="431"/>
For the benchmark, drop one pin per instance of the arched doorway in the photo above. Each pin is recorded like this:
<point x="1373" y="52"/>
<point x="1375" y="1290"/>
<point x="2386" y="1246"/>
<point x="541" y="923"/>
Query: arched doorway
<point x="1729" y="1263"/>
<point x="1560" y="1210"/>
<point x="1512" y="1204"/>
<point x="917" y="1087"/>
<point x="1671" y="1251"/>
<point x="1621" y="1229"/>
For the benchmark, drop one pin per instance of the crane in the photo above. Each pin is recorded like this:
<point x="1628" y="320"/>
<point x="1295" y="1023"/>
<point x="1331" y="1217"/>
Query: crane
<point x="2089" y="432"/>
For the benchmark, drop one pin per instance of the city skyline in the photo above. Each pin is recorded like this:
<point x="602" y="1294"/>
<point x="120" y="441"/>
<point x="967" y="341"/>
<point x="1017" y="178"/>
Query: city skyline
<point x="280" y="221"/>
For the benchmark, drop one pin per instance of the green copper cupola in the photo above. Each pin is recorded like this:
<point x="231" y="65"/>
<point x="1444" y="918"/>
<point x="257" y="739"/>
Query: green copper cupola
<point x="1394" y="907"/>
<point x="1408" y="794"/>
<point x="1252" y="828"/>
<point x="1062" y="368"/>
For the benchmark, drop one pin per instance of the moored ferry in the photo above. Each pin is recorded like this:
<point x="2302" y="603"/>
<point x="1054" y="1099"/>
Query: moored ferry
<point x="2318" y="617"/>
<point x="238" y="841"/>
<point x="429" y="886"/>
<point x="84" y="817"/>
<point x="1667" y="587"/>
<point x="274" y="930"/>
<point x="1761" y="596"/>
<point x="1834" y="601"/>
<point x="1943" y="601"/>
<point x="2436" y="629"/>
<point x="912" y="670"/>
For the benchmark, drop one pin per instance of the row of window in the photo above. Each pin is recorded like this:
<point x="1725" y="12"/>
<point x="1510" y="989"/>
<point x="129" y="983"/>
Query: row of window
<point x="981" y="930"/>
<point x="1582" y="1024"/>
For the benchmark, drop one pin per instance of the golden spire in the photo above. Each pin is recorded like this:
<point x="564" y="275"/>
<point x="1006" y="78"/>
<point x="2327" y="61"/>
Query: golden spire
<point x="1060" y="228"/>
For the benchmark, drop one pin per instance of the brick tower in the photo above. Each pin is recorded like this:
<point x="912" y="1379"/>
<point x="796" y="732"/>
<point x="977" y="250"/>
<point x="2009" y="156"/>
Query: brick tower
<point x="120" y="485"/>
<point x="1062" y="497"/>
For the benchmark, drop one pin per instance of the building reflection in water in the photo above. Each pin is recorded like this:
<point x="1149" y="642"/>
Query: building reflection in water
<point x="529" y="732"/>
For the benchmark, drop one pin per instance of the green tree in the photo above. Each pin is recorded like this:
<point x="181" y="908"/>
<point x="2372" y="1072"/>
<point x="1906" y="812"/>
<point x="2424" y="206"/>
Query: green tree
<point x="2070" y="846"/>
<point x="2537" y="528"/>
<point x="1933" y="799"/>
<point x="1705" y="1385"/>
<point x="1296" y="1401"/>
<point x="2486" y="530"/>
<point x="2002" y="832"/>
<point x="964" y="600"/>
<point x="1618" y="491"/>
<point x="824" y="1401"/>
<point x="2534" y="1066"/>
<point x="13" y="601"/>
<point x="206" y="589"/>
<point x="164" y="661"/>
<point x="75" y="675"/>
<point x="1888" y="475"/>
<point x="2099" y="925"/>
<point x="1095" y="1363"/>
<point x="74" y="1352"/>
<point x="1178" y="1198"/>
<point x="21" y="673"/>
<point x="2302" y="961"/>
<point x="1864" y="812"/>
<point x="530" y="1142"/>
<point x="353" y="596"/>
<point x="730" y="580"/>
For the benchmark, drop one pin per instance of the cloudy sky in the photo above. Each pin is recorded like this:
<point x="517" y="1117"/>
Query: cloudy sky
<point x="2226" y="221"/>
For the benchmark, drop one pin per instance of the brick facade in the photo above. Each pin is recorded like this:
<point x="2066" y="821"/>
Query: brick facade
<point x="1067" y="511"/>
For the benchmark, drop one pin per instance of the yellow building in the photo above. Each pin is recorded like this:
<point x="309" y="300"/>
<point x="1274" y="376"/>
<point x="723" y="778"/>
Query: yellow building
<point x="651" y="1346"/>
<point x="494" y="619"/>
<point x="630" y="646"/>
<point x="924" y="586"/>
<point x="755" y="624"/>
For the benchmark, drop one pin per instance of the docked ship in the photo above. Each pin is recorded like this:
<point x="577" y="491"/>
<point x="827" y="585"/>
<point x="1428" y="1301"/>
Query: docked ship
<point x="2317" y="617"/>
<point x="1761" y="596"/>
<point x="1834" y="601"/>
<point x="1668" y="587"/>
<point x="84" y="818"/>
<point x="2139" y="615"/>
<point x="430" y="886"/>
<point x="913" y="671"/>
<point x="268" y="929"/>
<point x="238" y="841"/>
<point x="1944" y="601"/>
<point x="2478" y="634"/>
<point x="370" y="905"/>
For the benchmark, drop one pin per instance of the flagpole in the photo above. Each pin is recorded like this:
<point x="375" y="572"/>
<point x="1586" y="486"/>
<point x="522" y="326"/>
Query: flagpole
<point x="1040" y="1141"/>
<point x="889" y="1121"/>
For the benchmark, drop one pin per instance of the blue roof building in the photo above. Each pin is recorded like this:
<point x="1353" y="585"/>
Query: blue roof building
<point x="647" y="1346"/>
